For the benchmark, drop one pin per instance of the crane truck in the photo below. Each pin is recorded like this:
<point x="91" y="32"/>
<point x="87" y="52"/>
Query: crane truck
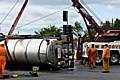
<point x="101" y="37"/>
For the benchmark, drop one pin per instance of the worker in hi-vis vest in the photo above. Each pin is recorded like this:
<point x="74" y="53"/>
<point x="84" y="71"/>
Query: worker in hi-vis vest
<point x="105" y="58"/>
<point x="92" y="53"/>
<point x="2" y="60"/>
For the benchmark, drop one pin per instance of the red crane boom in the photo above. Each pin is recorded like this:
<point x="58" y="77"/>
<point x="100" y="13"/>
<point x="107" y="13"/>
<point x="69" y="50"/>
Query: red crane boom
<point x="87" y="18"/>
<point x="17" y="18"/>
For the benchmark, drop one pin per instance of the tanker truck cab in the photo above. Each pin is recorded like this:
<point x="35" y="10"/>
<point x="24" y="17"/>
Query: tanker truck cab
<point x="56" y="49"/>
<point x="114" y="51"/>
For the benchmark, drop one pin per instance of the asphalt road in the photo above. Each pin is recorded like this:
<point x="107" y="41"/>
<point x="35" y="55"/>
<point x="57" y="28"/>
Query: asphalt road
<point x="80" y="72"/>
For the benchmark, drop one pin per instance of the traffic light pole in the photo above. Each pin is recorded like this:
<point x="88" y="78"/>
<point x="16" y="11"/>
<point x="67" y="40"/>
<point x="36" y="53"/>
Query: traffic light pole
<point x="68" y="30"/>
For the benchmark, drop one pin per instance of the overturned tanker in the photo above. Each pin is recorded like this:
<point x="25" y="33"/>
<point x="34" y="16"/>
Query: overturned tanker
<point x="34" y="51"/>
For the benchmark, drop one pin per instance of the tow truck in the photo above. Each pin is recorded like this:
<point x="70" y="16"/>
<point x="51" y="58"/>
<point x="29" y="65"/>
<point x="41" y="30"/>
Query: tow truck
<point x="101" y="37"/>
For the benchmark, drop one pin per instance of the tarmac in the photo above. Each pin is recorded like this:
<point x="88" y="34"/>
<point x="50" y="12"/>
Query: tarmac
<point x="80" y="72"/>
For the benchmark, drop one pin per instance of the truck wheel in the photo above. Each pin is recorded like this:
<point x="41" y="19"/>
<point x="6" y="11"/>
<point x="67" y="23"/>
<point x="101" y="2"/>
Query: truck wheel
<point x="99" y="59"/>
<point x="114" y="58"/>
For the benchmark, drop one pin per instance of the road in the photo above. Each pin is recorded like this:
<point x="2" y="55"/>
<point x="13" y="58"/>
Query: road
<point x="80" y="72"/>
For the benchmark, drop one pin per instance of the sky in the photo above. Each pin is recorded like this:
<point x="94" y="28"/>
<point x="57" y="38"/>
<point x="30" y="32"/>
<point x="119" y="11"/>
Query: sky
<point x="41" y="13"/>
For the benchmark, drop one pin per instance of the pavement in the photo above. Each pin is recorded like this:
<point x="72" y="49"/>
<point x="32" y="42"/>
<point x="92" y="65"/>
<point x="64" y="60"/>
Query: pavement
<point x="80" y="72"/>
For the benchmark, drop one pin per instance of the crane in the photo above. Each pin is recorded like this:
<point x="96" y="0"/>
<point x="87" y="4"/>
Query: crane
<point x="91" y="24"/>
<point x="87" y="17"/>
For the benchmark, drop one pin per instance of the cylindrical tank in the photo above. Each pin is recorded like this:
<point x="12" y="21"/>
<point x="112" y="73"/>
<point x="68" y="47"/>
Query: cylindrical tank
<point x="31" y="51"/>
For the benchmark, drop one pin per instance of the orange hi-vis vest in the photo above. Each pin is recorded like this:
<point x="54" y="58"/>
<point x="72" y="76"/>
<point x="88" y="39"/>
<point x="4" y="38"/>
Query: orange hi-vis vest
<point x="106" y="53"/>
<point x="2" y="53"/>
<point x="2" y="60"/>
<point x="92" y="54"/>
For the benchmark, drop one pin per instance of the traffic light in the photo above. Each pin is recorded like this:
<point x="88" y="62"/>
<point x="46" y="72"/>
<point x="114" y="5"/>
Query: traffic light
<point x="65" y="15"/>
<point x="67" y="29"/>
<point x="64" y="29"/>
<point x="2" y="36"/>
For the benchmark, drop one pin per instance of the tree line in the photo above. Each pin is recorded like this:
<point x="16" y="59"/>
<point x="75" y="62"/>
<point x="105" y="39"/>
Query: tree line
<point x="53" y="30"/>
<point x="111" y="25"/>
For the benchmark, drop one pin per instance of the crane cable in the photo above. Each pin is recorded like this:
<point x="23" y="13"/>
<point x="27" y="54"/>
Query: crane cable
<point x="9" y="12"/>
<point x="91" y="11"/>
<point x="33" y="21"/>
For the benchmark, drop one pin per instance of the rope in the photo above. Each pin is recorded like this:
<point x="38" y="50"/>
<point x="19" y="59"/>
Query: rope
<point x="9" y="12"/>
<point x="41" y="18"/>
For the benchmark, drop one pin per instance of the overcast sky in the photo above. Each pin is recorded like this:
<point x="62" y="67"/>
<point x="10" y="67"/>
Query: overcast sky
<point x="49" y="12"/>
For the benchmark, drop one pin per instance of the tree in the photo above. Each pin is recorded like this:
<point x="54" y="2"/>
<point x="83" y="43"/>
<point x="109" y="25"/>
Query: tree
<point x="116" y="23"/>
<point x="77" y="27"/>
<point x="49" y="31"/>
<point x="106" y="25"/>
<point x="86" y="36"/>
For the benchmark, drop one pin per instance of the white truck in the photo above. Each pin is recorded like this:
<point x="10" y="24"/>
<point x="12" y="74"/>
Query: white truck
<point x="114" y="50"/>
